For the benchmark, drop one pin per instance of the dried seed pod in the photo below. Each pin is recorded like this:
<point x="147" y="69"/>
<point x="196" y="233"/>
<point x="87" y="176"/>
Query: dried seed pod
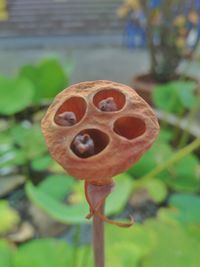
<point x="117" y="139"/>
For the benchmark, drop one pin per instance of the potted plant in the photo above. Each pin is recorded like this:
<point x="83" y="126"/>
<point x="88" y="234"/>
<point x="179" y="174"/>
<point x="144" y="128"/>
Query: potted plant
<point x="172" y="34"/>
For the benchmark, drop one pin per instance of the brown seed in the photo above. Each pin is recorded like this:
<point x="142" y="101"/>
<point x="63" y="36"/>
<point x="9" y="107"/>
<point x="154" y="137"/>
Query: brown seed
<point x="107" y="104"/>
<point x="83" y="145"/>
<point x="66" y="119"/>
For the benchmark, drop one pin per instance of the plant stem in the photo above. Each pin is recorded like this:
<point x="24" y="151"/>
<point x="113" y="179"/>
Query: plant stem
<point x="175" y="158"/>
<point x="98" y="239"/>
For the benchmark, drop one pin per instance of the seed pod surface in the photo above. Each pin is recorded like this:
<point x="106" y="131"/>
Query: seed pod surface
<point x="98" y="129"/>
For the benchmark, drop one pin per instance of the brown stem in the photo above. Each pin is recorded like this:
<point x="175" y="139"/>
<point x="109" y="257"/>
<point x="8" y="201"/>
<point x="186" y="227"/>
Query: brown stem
<point x="98" y="239"/>
<point x="96" y="196"/>
<point x="150" y="44"/>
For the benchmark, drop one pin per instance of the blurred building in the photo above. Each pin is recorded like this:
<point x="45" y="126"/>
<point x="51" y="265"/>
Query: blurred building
<point x="31" y="18"/>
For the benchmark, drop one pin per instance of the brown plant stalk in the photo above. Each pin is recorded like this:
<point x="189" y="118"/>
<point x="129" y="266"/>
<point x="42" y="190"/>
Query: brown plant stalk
<point x="98" y="239"/>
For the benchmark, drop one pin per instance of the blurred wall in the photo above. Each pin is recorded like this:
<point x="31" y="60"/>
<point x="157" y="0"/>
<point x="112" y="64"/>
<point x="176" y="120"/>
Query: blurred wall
<point x="21" y="18"/>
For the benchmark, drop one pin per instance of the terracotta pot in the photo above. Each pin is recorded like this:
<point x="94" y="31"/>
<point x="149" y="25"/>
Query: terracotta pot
<point x="144" y="84"/>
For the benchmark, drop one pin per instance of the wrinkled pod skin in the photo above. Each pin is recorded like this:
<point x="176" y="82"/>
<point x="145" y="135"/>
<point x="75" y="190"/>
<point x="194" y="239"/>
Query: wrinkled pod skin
<point x="121" y="125"/>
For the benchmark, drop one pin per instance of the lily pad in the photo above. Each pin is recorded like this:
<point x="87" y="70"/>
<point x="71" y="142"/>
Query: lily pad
<point x="57" y="186"/>
<point x="70" y="214"/>
<point x="48" y="79"/>
<point x="43" y="253"/>
<point x="126" y="247"/>
<point x="15" y="95"/>
<point x="174" y="246"/>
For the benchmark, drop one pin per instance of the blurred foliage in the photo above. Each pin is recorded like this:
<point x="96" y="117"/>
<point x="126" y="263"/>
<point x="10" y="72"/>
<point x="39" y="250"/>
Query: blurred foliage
<point x="184" y="176"/>
<point x="9" y="217"/>
<point x="20" y="144"/>
<point x="21" y="141"/>
<point x="21" y="91"/>
<point x="48" y="197"/>
<point x="142" y="245"/>
<point x="34" y="85"/>
<point x="176" y="96"/>
<point x="171" y="28"/>
<point x="151" y="244"/>
<point x="48" y="79"/>
<point x="184" y="208"/>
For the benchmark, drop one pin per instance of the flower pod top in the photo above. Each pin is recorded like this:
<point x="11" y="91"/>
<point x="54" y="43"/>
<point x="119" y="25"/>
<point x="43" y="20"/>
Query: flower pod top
<point x="98" y="129"/>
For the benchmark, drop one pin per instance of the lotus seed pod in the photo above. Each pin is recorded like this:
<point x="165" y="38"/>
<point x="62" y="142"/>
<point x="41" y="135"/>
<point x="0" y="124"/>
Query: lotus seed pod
<point x="98" y="129"/>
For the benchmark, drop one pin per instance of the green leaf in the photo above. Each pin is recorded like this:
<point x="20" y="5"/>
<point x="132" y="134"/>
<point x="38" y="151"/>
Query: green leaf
<point x="41" y="163"/>
<point x="52" y="78"/>
<point x="157" y="189"/>
<point x="57" y="186"/>
<point x="48" y="199"/>
<point x="10" y="155"/>
<point x="143" y="166"/>
<point x="188" y="207"/>
<point x="11" y="158"/>
<point x="9" y="217"/>
<point x="153" y="244"/>
<point x="134" y="235"/>
<point x="126" y="247"/>
<point x="48" y="79"/>
<point x="175" y="96"/>
<point x="15" y="95"/>
<point x="84" y="256"/>
<point x="165" y="135"/>
<point x="31" y="73"/>
<point x="120" y="195"/>
<point x="173" y="246"/>
<point x="156" y="155"/>
<point x="30" y="140"/>
<point x="65" y="213"/>
<point x="185" y="176"/>
<point x="43" y="253"/>
<point x="6" y="254"/>
<point x="165" y="98"/>
<point x="168" y="215"/>
<point x="184" y="208"/>
<point x="123" y="254"/>
<point x="185" y="92"/>
<point x="118" y="198"/>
